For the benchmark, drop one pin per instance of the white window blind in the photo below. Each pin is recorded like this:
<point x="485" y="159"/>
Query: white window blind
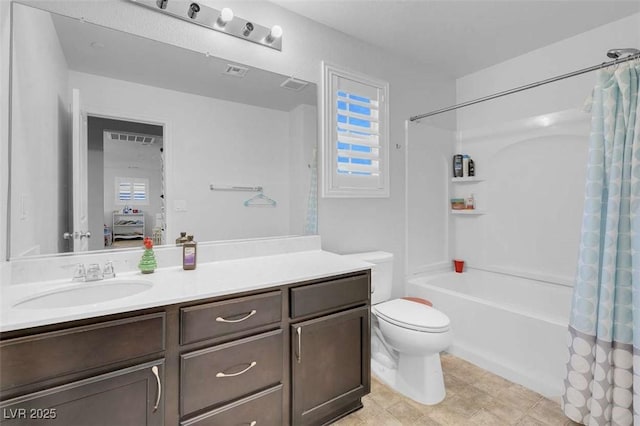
<point x="133" y="191"/>
<point x="355" y="146"/>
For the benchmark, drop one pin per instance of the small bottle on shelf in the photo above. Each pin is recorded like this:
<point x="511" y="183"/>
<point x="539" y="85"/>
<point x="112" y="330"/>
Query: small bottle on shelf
<point x="470" y="202"/>
<point x="465" y="165"/>
<point x="472" y="168"/>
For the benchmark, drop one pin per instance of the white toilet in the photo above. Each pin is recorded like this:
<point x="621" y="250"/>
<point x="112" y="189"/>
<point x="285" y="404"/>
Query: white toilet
<point x="406" y="337"/>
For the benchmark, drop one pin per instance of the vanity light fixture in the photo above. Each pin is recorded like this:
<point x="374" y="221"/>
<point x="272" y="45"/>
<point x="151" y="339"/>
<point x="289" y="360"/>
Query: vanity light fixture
<point x="194" y="8"/>
<point x="274" y="34"/>
<point x="218" y="20"/>
<point x="248" y="27"/>
<point x="226" y="16"/>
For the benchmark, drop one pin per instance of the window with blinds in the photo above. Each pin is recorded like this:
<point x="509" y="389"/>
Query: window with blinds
<point x="355" y="146"/>
<point x="133" y="191"/>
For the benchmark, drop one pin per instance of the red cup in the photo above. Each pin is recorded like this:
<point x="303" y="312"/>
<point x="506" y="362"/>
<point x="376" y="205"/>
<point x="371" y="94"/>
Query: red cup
<point x="458" y="265"/>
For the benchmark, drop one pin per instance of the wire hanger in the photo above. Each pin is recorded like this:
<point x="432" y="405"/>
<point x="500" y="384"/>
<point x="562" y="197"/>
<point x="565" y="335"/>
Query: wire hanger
<point x="260" y="200"/>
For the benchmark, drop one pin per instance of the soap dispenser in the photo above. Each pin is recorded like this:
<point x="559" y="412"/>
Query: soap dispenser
<point x="181" y="239"/>
<point x="189" y="254"/>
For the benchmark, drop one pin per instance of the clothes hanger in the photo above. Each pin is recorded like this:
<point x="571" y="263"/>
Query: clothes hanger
<point x="260" y="200"/>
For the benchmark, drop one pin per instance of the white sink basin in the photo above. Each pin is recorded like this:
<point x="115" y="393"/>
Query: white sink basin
<point x="85" y="294"/>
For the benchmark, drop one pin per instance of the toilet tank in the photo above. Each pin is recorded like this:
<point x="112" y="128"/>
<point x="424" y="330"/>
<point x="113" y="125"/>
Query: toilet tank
<point x="381" y="273"/>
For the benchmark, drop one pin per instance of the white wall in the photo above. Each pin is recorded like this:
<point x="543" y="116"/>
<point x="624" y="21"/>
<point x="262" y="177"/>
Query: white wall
<point x="207" y="141"/>
<point x="345" y="225"/>
<point x="532" y="148"/>
<point x="39" y="70"/>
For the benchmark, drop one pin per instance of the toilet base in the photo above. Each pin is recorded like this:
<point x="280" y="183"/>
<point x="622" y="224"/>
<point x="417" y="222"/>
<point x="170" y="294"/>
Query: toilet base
<point x="418" y="378"/>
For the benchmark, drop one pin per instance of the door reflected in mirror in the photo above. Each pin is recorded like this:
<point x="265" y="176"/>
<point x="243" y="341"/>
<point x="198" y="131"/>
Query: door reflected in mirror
<point x="79" y="90"/>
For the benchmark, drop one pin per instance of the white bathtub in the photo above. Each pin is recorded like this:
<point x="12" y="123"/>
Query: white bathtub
<point x="514" y="327"/>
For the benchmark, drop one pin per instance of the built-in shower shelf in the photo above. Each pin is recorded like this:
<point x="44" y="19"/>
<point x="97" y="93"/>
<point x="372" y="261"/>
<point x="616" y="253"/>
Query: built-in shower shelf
<point x="466" y="179"/>
<point x="470" y="212"/>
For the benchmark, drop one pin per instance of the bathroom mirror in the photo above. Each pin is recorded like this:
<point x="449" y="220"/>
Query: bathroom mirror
<point x="118" y="137"/>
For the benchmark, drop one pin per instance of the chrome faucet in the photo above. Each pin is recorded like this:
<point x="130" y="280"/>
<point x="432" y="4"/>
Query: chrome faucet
<point x="93" y="272"/>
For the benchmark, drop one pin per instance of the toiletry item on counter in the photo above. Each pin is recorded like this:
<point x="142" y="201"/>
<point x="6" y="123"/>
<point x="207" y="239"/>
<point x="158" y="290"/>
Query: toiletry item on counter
<point x="471" y="168"/>
<point x="458" y="203"/>
<point x="148" y="262"/>
<point x="458" y="265"/>
<point x="470" y="202"/>
<point x="465" y="165"/>
<point x="181" y="239"/>
<point x="458" y="169"/>
<point x="189" y="253"/>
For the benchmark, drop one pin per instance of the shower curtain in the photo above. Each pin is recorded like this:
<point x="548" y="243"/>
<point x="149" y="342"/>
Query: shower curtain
<point x="602" y="384"/>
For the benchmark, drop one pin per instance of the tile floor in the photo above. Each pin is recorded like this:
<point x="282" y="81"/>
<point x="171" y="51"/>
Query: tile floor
<point x="474" y="397"/>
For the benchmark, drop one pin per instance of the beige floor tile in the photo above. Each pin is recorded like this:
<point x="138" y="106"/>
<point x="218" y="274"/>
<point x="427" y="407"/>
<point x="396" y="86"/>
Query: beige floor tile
<point x="506" y="412"/>
<point x="426" y="421"/>
<point x="548" y="412"/>
<point x="530" y="421"/>
<point x="492" y="384"/>
<point x="518" y="397"/>
<point x="485" y="418"/>
<point x="474" y="398"/>
<point x="447" y="417"/>
<point x="405" y="412"/>
<point x="383" y="395"/>
<point x="463" y="406"/>
<point x="351" y="420"/>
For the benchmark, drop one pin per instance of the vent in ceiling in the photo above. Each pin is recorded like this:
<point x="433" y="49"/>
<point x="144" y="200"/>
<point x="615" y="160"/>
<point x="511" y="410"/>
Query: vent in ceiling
<point x="294" y="84"/>
<point x="132" y="137"/>
<point x="236" y="70"/>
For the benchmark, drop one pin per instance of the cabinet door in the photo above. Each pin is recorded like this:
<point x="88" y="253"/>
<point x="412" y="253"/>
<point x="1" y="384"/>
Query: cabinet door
<point x="330" y="365"/>
<point x="131" y="396"/>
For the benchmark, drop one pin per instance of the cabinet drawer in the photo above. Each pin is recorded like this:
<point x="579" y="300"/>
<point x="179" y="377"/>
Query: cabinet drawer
<point x="222" y="373"/>
<point x="39" y="357"/>
<point x="229" y="316"/>
<point x="330" y="295"/>
<point x="264" y="408"/>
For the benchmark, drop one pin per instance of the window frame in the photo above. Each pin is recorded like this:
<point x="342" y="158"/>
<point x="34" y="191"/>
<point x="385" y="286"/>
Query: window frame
<point x="333" y="185"/>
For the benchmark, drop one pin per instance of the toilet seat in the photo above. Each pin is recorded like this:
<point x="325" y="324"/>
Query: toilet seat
<point x="412" y="316"/>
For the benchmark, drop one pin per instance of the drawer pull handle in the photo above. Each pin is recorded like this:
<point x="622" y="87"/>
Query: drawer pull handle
<point x="154" y="370"/>
<point x="249" y="315"/>
<point x="299" y="354"/>
<point x="253" y="364"/>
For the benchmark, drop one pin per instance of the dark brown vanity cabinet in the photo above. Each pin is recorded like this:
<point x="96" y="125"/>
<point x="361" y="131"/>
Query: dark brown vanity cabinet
<point x="102" y="373"/>
<point x="293" y="354"/>
<point x="330" y="351"/>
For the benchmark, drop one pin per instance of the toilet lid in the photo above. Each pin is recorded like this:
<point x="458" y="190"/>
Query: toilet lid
<point x="412" y="315"/>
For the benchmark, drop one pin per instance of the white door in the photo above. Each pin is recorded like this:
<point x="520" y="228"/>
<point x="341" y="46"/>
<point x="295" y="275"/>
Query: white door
<point x="80" y="232"/>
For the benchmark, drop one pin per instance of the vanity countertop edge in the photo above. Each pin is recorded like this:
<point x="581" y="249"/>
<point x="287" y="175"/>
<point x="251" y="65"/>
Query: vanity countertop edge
<point x="174" y="285"/>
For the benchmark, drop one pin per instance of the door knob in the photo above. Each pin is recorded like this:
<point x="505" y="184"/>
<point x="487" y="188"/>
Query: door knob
<point x="67" y="236"/>
<point x="85" y="235"/>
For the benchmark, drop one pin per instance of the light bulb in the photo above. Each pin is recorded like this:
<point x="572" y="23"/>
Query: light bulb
<point x="274" y="34"/>
<point x="226" y="15"/>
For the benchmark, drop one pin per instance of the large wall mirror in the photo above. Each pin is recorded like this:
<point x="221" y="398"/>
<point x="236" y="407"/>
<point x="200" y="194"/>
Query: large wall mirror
<point x="115" y="137"/>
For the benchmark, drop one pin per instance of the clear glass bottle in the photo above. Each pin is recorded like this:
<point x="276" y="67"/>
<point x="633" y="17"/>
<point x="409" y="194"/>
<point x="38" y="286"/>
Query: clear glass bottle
<point x="189" y="249"/>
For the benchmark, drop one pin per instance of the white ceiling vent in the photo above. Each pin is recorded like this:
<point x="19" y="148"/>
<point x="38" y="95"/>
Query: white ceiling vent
<point x="294" y="84"/>
<point x="132" y="137"/>
<point x="236" y="70"/>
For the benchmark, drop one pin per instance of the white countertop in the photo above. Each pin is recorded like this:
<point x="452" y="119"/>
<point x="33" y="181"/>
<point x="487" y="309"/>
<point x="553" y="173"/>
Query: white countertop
<point x="175" y="285"/>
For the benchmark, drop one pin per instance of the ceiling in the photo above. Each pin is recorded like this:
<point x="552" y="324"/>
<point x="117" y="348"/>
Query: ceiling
<point x="461" y="37"/>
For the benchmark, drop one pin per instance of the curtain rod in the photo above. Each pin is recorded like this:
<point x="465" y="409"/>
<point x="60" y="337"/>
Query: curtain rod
<point x="528" y="86"/>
